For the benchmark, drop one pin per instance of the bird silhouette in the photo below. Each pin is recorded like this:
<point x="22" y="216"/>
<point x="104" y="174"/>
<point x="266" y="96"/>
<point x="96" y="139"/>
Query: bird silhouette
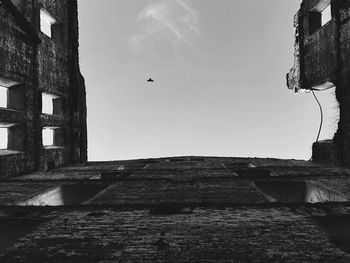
<point x="150" y="80"/>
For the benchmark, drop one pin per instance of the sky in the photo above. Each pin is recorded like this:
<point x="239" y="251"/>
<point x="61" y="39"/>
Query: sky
<point x="219" y="68"/>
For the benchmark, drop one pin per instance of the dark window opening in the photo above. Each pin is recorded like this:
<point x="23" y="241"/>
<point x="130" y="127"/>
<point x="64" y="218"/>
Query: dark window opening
<point x="52" y="104"/>
<point x="319" y="16"/>
<point x="46" y="22"/>
<point x="50" y="27"/>
<point x="315" y="19"/>
<point x="53" y="137"/>
<point x="57" y="32"/>
<point x="16" y="138"/>
<point x="59" y="137"/>
<point x="12" y="95"/>
<point x="16" y="98"/>
<point x="58" y="106"/>
<point x="11" y="137"/>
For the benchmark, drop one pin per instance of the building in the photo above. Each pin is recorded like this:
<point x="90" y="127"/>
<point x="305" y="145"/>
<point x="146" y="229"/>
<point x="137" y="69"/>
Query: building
<point x="322" y="61"/>
<point x="42" y="106"/>
<point x="179" y="209"/>
<point x="184" y="209"/>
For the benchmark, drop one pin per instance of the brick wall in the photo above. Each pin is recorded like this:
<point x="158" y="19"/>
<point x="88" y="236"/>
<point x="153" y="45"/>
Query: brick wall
<point x="231" y="235"/>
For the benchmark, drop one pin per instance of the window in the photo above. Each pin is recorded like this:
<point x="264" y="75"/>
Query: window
<point x="16" y="137"/>
<point x="326" y="15"/>
<point x="53" y="136"/>
<point x="47" y="104"/>
<point x="3" y="138"/>
<point x="16" y="98"/>
<point x="11" y="137"/>
<point x="314" y="22"/>
<point x="319" y="16"/>
<point x="12" y="95"/>
<point x="48" y="137"/>
<point x="46" y="22"/>
<point x="3" y="97"/>
<point x="52" y="104"/>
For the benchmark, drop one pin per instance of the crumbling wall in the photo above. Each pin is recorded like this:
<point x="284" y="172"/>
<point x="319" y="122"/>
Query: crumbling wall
<point x="320" y="59"/>
<point x="342" y="137"/>
<point x="325" y="58"/>
<point x="78" y="110"/>
<point x="318" y="49"/>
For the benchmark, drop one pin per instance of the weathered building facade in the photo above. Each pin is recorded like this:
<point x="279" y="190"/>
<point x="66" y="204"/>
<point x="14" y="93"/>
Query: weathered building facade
<point x="176" y="209"/>
<point x="43" y="110"/>
<point x="322" y="61"/>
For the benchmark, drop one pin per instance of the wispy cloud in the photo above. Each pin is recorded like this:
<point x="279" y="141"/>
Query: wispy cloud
<point x="172" y="20"/>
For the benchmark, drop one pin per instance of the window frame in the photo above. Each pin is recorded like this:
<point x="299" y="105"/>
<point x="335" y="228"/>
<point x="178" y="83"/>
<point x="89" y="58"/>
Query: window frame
<point x="49" y="20"/>
<point x="316" y="16"/>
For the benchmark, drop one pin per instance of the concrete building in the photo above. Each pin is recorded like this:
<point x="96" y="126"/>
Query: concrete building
<point x="42" y="108"/>
<point x="322" y="61"/>
<point x="179" y="209"/>
<point x="184" y="209"/>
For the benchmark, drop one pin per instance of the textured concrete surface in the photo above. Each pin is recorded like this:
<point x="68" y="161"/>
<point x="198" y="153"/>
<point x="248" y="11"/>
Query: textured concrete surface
<point x="322" y="61"/>
<point x="202" y="235"/>
<point x="188" y="209"/>
<point x="47" y="66"/>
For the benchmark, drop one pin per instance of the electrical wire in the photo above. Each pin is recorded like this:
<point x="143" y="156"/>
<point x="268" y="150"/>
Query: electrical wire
<point x="321" y="111"/>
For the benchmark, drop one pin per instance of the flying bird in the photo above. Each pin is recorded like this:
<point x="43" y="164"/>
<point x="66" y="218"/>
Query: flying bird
<point x="150" y="80"/>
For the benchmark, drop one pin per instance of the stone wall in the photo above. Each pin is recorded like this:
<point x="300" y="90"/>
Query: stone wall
<point x="50" y="66"/>
<point x="318" y="49"/>
<point x="238" y="234"/>
<point x="325" y="60"/>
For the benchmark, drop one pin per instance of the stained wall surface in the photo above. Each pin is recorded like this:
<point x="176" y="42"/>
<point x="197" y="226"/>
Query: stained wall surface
<point x="32" y="64"/>
<point x="183" y="209"/>
<point x="324" y="55"/>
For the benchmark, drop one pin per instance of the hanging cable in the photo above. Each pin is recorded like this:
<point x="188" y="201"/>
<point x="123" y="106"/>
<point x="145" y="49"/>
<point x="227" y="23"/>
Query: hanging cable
<point x="321" y="111"/>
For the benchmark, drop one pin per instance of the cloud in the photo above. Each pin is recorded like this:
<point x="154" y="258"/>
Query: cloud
<point x="172" y="20"/>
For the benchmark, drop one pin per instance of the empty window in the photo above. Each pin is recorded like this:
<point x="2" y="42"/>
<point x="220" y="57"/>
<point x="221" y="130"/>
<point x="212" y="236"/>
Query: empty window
<point x="12" y="95"/>
<point x="3" y="138"/>
<point x="47" y="104"/>
<point x="319" y="16"/>
<point x="3" y="97"/>
<point x="53" y="136"/>
<point x="326" y="15"/>
<point x="11" y="137"/>
<point x="52" y="104"/>
<point x="46" y="22"/>
<point x="48" y="137"/>
<point x="16" y="137"/>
